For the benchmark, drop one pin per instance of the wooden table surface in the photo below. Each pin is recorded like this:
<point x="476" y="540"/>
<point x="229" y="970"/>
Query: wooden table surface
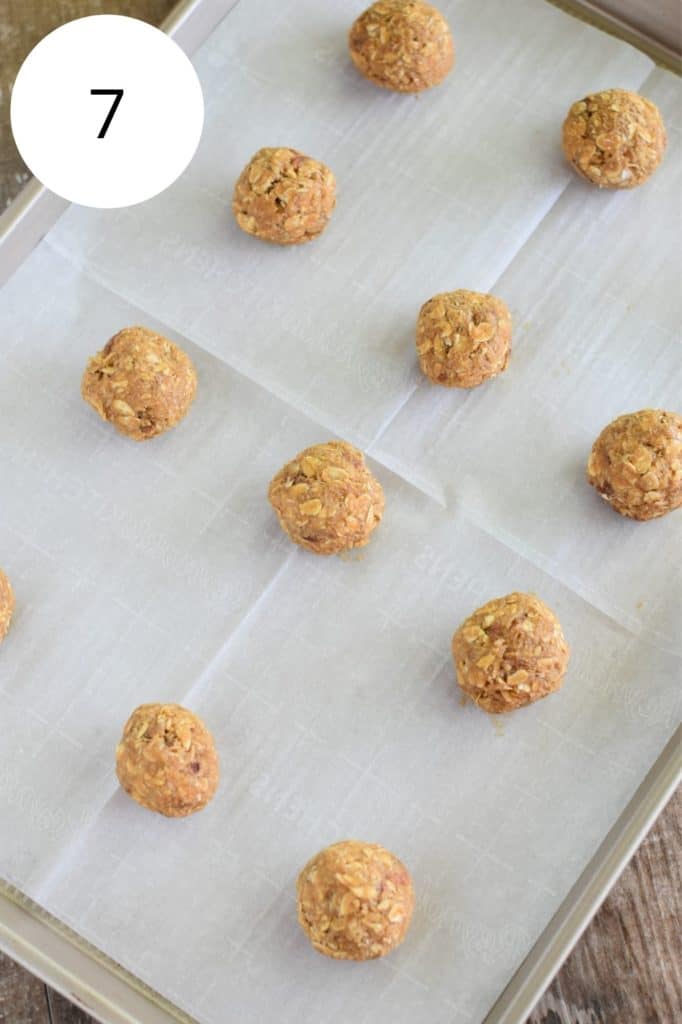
<point x="627" y="968"/>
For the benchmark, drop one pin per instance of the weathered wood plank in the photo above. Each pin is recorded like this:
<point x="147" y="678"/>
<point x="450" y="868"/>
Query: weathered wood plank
<point x="64" y="1012"/>
<point x="627" y="968"/>
<point x="23" y="999"/>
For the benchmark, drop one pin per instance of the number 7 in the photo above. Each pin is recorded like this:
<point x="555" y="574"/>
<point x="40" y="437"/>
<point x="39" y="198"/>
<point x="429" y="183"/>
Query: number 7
<point x="118" y="93"/>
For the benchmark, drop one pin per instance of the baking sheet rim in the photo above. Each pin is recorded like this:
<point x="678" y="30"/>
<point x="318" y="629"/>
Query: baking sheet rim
<point x="43" y="944"/>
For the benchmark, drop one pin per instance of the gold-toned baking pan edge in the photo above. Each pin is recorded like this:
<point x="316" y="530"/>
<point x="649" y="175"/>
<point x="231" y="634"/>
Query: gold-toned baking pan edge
<point x="585" y="11"/>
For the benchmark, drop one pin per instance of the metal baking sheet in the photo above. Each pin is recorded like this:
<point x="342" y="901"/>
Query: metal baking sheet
<point x="551" y="946"/>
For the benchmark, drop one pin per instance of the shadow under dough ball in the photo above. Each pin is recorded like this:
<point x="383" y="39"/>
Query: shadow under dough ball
<point x="615" y="138"/>
<point x="509" y="653"/>
<point x="463" y="338"/>
<point x="355" y="901"/>
<point x="6" y="605"/>
<point x="167" y="761"/>
<point x="140" y="382"/>
<point x="283" y="196"/>
<point x="326" y="499"/>
<point x="403" y="45"/>
<point x="636" y="464"/>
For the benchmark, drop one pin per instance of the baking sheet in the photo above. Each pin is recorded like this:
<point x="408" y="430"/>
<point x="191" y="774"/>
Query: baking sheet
<point x="157" y="572"/>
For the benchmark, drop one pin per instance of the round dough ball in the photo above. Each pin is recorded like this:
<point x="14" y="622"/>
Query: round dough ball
<point x="402" y="44"/>
<point x="463" y="338"/>
<point x="140" y="382"/>
<point x="615" y="138"/>
<point x="355" y="901"/>
<point x="6" y="605"/>
<point x="284" y="197"/>
<point x="167" y="760"/>
<point x="636" y="463"/>
<point x="326" y="498"/>
<point x="509" y="653"/>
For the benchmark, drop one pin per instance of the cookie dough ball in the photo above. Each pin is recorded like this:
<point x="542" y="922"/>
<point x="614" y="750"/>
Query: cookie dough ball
<point x="167" y="761"/>
<point x="463" y="338"/>
<point x="6" y="605"/>
<point x="284" y="197"/>
<point x="140" y="382"/>
<point x="326" y="498"/>
<point x="355" y="901"/>
<point x="402" y="44"/>
<point x="615" y="139"/>
<point x="509" y="653"/>
<point x="636" y="463"/>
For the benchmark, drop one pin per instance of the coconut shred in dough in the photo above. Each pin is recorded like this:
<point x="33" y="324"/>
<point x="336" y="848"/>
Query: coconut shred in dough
<point x="355" y="901"/>
<point x="509" y="653"/>
<point x="167" y="760"/>
<point x="283" y="196"/>
<point x="141" y="383"/>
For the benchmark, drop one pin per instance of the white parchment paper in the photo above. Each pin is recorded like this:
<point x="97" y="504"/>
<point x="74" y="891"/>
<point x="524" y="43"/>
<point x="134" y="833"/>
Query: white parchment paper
<point x="156" y="572"/>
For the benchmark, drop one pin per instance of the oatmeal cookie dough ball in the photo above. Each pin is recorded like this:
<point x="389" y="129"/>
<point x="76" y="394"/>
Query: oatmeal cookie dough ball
<point x="6" y="605"/>
<point x="326" y="498"/>
<point x="284" y="197"/>
<point x="167" y="760"/>
<point x="615" y="138"/>
<point x="509" y="653"/>
<point x="355" y="901"/>
<point x="140" y="382"/>
<point x="463" y="338"/>
<point x="402" y="44"/>
<point x="636" y="463"/>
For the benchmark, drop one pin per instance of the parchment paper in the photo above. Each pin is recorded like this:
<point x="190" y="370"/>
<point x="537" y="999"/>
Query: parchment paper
<point x="157" y="572"/>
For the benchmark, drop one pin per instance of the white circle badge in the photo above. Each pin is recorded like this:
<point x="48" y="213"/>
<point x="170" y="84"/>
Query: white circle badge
<point x="107" y="111"/>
